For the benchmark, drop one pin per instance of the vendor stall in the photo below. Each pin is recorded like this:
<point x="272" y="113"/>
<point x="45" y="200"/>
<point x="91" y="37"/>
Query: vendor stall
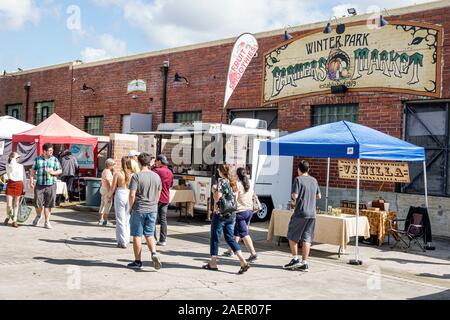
<point x="346" y="140"/>
<point x="9" y="126"/>
<point x="56" y="130"/>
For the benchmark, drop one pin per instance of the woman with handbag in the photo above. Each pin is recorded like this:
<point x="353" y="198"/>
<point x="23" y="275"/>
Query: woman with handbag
<point x="245" y="210"/>
<point x="224" y="218"/>
<point x="14" y="187"/>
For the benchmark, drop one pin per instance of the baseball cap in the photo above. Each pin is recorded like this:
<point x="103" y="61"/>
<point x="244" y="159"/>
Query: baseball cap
<point x="163" y="159"/>
<point x="133" y="153"/>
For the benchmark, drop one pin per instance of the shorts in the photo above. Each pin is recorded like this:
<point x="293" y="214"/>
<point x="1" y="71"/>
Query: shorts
<point x="142" y="224"/>
<point x="45" y="196"/>
<point x="242" y="222"/>
<point x="14" y="188"/>
<point x="301" y="229"/>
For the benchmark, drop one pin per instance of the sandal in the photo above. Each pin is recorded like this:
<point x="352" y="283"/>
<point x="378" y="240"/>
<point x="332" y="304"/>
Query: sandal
<point x="208" y="267"/>
<point x="244" y="268"/>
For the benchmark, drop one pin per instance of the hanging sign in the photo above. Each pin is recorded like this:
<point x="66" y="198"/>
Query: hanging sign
<point x="244" y="50"/>
<point x="375" y="171"/>
<point x="137" y="85"/>
<point x="84" y="155"/>
<point x="403" y="57"/>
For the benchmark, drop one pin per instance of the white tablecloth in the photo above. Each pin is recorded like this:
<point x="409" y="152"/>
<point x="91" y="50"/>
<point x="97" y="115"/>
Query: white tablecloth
<point x="61" y="188"/>
<point x="329" y="229"/>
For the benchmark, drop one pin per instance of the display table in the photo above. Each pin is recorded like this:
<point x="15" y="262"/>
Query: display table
<point x="184" y="197"/>
<point x="378" y="221"/>
<point x="61" y="188"/>
<point x="329" y="229"/>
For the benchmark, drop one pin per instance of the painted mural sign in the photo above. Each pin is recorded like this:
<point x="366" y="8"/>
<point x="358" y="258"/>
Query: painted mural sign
<point x="136" y="85"/>
<point x="399" y="57"/>
<point x="375" y="171"/>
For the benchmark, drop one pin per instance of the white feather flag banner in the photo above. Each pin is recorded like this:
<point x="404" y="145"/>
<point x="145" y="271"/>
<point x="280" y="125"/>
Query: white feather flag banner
<point x="244" y="50"/>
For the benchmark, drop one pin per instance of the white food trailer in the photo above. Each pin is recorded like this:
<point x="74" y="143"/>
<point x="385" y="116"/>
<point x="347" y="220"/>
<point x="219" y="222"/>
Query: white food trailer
<point x="195" y="149"/>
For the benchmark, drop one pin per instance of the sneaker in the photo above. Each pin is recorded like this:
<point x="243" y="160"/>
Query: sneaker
<point x="156" y="261"/>
<point x="6" y="221"/>
<point x="228" y="254"/>
<point x="36" y="220"/>
<point x="121" y="245"/>
<point x="252" y="258"/>
<point x="303" y="267"/>
<point x="15" y="225"/>
<point x="159" y="243"/>
<point x="135" y="265"/>
<point x="47" y="225"/>
<point x="100" y="222"/>
<point x="293" y="264"/>
<point x="105" y="223"/>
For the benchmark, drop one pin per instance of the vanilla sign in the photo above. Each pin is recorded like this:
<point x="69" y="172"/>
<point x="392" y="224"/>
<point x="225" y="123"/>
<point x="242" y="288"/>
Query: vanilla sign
<point x="375" y="171"/>
<point x="400" y="57"/>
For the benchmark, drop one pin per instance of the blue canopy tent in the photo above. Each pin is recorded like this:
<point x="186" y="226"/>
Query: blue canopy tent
<point x="344" y="139"/>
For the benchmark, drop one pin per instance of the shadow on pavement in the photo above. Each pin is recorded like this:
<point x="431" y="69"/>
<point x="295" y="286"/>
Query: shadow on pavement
<point x="405" y="261"/>
<point x="81" y="263"/>
<point x="79" y="241"/>
<point x="430" y="275"/>
<point x="443" y="295"/>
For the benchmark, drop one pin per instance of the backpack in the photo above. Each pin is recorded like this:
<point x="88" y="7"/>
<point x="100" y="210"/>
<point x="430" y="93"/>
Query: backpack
<point x="227" y="204"/>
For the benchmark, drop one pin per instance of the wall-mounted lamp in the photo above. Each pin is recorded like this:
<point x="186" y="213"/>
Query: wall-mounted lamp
<point x="85" y="89"/>
<point x="340" y="28"/>
<point x="351" y="11"/>
<point x="178" y="78"/>
<point x="328" y="28"/>
<point x="339" y="89"/>
<point x="287" y="36"/>
<point x="383" y="22"/>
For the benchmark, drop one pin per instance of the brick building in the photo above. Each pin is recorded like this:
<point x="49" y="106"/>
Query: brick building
<point x="105" y="108"/>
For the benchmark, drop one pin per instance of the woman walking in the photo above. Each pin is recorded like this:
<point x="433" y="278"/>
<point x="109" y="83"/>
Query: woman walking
<point x="223" y="222"/>
<point x="244" y="214"/>
<point x="120" y="183"/>
<point x="106" y="202"/>
<point x="14" y="187"/>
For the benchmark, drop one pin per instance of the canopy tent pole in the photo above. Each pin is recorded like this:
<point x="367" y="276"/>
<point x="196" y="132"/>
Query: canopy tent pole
<point x="425" y="182"/>
<point x="356" y="261"/>
<point x="428" y="244"/>
<point x="328" y="183"/>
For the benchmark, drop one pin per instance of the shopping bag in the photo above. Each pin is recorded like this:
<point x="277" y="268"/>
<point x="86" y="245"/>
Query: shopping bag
<point x="23" y="212"/>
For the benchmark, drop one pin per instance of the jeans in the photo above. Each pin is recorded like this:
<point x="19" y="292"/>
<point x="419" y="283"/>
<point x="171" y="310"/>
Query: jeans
<point x="225" y="226"/>
<point x="162" y="220"/>
<point x="142" y="224"/>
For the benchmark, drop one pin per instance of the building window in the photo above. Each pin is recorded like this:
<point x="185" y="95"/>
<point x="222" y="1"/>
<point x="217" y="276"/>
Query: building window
<point x="427" y="125"/>
<point x="270" y="116"/>
<point x="331" y="113"/>
<point x="187" y="117"/>
<point x="14" y="110"/>
<point x="44" y="110"/>
<point x="94" y="125"/>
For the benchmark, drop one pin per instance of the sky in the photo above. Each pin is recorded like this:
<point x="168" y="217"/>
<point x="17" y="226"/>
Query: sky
<point x="37" y="33"/>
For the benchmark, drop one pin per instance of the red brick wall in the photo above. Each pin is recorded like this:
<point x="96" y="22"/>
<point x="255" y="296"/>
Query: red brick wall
<point x="206" y="69"/>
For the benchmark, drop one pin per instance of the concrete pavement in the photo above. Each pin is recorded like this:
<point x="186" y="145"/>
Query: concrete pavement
<point x="79" y="260"/>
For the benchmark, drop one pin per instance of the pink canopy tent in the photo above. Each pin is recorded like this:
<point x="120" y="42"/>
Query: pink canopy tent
<point x="58" y="131"/>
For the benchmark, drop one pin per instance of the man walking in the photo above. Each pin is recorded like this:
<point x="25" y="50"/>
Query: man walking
<point x="305" y="191"/>
<point x="145" y="190"/>
<point x="166" y="177"/>
<point x="43" y="180"/>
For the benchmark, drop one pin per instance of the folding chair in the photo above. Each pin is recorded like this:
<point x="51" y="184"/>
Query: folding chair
<point x="412" y="234"/>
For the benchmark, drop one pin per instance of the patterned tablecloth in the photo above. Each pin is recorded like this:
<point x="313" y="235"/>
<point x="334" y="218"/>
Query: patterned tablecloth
<point x="378" y="221"/>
